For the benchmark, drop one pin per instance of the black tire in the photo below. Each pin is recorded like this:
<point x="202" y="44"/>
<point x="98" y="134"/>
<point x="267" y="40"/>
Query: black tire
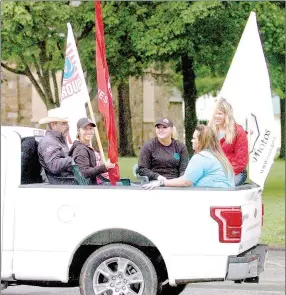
<point x="169" y="290"/>
<point x="102" y="266"/>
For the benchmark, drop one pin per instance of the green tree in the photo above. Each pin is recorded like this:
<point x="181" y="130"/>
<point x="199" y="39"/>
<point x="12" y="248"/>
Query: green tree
<point x="32" y="38"/>
<point x="33" y="43"/>
<point x="200" y="38"/>
<point x="273" y="35"/>
<point x="123" y="19"/>
<point x="188" y="35"/>
<point x="34" y="35"/>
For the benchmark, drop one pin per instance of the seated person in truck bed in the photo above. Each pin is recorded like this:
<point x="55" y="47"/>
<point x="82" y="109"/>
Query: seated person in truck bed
<point x="30" y="165"/>
<point x="53" y="149"/>
<point x="163" y="157"/>
<point x="209" y="167"/>
<point x="233" y="139"/>
<point x="83" y="153"/>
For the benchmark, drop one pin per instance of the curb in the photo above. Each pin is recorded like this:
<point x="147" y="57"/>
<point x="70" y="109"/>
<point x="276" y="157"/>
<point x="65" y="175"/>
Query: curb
<point x="276" y="248"/>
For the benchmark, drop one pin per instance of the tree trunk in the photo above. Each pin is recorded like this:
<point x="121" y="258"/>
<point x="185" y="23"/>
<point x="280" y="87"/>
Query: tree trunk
<point x="125" y="128"/>
<point x="19" y="118"/>
<point x="282" y="122"/>
<point x="190" y="93"/>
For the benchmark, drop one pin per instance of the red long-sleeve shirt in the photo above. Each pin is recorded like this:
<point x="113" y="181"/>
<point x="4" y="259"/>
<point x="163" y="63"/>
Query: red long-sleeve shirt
<point x="237" y="151"/>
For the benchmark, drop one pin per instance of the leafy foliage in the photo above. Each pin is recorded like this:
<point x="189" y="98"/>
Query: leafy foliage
<point x="33" y="36"/>
<point x="196" y="39"/>
<point x="200" y="39"/>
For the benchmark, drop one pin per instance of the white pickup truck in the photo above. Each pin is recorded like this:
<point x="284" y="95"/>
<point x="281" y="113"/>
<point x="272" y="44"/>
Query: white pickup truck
<point x="119" y="240"/>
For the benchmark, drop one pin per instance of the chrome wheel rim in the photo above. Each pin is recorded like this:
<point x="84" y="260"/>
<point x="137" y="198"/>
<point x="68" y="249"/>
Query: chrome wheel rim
<point x="118" y="276"/>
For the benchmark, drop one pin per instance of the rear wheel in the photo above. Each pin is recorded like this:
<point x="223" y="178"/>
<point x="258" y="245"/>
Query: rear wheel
<point x="118" y="269"/>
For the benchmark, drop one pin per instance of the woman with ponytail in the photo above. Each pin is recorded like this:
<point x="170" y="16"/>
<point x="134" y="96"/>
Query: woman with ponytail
<point x="85" y="157"/>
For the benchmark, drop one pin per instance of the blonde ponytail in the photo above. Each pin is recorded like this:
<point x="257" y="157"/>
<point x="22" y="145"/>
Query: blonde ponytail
<point x="174" y="134"/>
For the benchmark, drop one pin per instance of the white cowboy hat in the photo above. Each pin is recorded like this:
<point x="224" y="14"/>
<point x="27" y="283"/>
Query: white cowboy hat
<point x="54" y="115"/>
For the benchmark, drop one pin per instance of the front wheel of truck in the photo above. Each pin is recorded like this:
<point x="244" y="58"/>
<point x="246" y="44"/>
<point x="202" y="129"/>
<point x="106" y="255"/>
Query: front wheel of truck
<point x="118" y="269"/>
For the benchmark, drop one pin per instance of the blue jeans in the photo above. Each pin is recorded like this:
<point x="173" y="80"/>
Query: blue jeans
<point x="240" y="178"/>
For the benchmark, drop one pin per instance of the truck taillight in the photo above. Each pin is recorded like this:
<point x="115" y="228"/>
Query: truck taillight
<point x="262" y="213"/>
<point x="229" y="221"/>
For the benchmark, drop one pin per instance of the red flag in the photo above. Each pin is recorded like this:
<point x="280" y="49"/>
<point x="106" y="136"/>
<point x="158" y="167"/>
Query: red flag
<point x="105" y="103"/>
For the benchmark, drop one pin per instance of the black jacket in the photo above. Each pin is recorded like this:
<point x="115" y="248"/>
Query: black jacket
<point x="30" y="165"/>
<point x="169" y="161"/>
<point x="84" y="157"/>
<point x="53" y="156"/>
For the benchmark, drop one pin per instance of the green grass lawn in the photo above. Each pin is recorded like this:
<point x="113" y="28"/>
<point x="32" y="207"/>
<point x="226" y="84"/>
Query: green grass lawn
<point x="126" y="165"/>
<point x="273" y="231"/>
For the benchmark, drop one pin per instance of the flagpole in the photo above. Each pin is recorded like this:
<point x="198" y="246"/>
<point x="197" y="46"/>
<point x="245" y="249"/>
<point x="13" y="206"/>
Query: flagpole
<point x="105" y="101"/>
<point x="96" y="132"/>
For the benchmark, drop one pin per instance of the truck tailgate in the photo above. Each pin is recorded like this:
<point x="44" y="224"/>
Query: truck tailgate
<point x="252" y="216"/>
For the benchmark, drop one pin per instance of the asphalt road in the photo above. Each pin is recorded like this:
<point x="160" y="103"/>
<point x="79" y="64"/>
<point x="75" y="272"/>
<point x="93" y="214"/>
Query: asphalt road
<point x="272" y="282"/>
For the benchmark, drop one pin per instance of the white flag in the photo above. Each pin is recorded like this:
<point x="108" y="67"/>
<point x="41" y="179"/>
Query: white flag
<point x="74" y="93"/>
<point x="247" y="89"/>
